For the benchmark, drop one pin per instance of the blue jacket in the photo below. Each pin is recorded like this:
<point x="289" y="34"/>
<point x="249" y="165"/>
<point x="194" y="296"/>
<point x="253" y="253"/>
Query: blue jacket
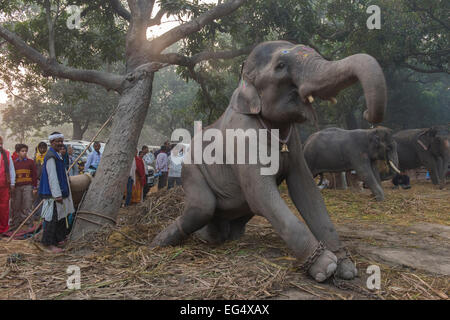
<point x="44" y="186"/>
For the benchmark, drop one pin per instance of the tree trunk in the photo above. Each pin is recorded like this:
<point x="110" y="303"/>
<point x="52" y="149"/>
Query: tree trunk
<point x="112" y="175"/>
<point x="350" y="121"/>
<point x="77" y="131"/>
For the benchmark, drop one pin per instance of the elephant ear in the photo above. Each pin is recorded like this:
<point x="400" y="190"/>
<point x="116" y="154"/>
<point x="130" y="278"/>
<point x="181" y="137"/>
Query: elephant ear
<point x="426" y="137"/>
<point x="246" y="99"/>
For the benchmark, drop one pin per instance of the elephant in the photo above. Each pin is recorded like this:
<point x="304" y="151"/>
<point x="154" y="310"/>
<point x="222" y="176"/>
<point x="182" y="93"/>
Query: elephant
<point x="338" y="150"/>
<point x="279" y="81"/>
<point x="428" y="147"/>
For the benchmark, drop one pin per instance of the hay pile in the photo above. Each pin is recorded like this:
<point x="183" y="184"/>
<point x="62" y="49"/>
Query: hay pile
<point x="116" y="263"/>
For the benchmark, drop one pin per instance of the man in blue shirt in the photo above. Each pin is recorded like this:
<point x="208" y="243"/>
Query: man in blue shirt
<point x="93" y="159"/>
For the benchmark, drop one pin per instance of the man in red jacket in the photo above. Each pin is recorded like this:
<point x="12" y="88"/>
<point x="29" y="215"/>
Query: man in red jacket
<point x="7" y="183"/>
<point x="26" y="187"/>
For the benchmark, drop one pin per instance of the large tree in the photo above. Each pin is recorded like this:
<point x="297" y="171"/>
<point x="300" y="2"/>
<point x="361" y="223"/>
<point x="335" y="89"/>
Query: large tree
<point x="142" y="57"/>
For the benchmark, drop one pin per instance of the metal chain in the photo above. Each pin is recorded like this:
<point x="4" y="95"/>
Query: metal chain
<point x="313" y="257"/>
<point x="345" y="285"/>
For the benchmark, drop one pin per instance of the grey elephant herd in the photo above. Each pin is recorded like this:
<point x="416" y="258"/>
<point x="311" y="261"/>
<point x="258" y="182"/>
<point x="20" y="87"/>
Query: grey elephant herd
<point x="279" y="83"/>
<point x="338" y="150"/>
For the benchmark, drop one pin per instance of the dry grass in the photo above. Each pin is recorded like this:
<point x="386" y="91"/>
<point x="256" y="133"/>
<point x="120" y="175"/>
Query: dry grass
<point x="117" y="263"/>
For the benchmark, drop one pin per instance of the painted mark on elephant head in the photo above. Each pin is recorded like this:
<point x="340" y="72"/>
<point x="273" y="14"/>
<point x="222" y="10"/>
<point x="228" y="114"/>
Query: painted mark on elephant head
<point x="303" y="51"/>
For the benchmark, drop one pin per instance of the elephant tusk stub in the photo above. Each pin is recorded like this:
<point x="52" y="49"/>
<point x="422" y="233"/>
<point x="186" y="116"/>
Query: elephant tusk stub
<point x="333" y="100"/>
<point x="310" y="98"/>
<point x="394" y="167"/>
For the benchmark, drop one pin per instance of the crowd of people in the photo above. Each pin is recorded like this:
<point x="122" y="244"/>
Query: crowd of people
<point x="167" y="162"/>
<point x="26" y="182"/>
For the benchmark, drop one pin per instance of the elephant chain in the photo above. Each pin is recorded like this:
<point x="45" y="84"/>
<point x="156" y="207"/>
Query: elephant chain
<point x="313" y="257"/>
<point x="345" y="285"/>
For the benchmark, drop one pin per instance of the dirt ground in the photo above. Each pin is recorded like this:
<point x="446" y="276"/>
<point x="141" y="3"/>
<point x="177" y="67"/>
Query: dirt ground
<point x="407" y="236"/>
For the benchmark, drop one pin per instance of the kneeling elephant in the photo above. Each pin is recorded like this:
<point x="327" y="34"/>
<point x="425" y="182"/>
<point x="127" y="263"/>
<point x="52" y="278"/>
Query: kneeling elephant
<point x="279" y="83"/>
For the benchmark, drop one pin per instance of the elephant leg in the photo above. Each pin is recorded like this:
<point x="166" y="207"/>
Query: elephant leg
<point x="376" y="172"/>
<point x="431" y="164"/>
<point x="441" y="166"/>
<point x="308" y="200"/>
<point x="237" y="227"/>
<point x="366" y="174"/>
<point x="200" y="205"/>
<point x="215" y="232"/>
<point x="220" y="230"/>
<point x="263" y="197"/>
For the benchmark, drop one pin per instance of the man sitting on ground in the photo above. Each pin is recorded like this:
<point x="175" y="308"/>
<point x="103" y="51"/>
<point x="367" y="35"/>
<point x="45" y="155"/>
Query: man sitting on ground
<point x="401" y="180"/>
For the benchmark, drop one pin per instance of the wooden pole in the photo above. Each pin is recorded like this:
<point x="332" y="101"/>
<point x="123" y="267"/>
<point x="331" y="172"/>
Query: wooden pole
<point x="70" y="167"/>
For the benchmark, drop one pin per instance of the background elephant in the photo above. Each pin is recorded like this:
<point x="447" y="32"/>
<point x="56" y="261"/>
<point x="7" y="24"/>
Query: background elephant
<point x="337" y="150"/>
<point x="279" y="82"/>
<point x="425" y="147"/>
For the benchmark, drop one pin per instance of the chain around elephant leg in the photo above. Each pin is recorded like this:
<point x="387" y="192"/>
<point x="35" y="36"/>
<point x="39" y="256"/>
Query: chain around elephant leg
<point x="345" y="266"/>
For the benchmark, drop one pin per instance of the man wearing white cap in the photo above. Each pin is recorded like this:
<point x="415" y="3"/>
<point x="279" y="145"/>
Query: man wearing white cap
<point x="55" y="190"/>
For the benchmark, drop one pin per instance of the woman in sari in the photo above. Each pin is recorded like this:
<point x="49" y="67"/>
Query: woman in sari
<point x="139" y="183"/>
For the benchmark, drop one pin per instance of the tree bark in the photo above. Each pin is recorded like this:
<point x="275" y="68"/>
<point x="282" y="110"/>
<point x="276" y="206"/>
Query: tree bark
<point x="77" y="131"/>
<point x="111" y="177"/>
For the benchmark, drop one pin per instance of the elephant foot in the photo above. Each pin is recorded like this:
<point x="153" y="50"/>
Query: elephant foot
<point x="345" y="267"/>
<point x="170" y="236"/>
<point x="207" y="235"/>
<point x="324" y="267"/>
<point x="321" y="264"/>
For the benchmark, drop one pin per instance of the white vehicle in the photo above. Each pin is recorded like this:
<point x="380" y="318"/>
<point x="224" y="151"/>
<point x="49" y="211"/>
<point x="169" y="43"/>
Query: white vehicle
<point x="78" y="146"/>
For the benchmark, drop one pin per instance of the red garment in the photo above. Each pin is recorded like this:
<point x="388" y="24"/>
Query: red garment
<point x="25" y="172"/>
<point x="14" y="156"/>
<point x="4" y="173"/>
<point x="4" y="209"/>
<point x="140" y="170"/>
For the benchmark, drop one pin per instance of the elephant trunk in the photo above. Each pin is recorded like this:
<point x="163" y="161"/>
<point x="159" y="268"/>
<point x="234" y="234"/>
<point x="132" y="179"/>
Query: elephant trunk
<point x="329" y="77"/>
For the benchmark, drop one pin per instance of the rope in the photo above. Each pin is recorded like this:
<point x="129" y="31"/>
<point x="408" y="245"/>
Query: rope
<point x="98" y="215"/>
<point x="99" y="224"/>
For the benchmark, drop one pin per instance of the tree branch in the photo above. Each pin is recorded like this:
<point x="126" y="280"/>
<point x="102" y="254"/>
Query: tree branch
<point x="422" y="70"/>
<point x="158" y="44"/>
<point x="156" y="20"/>
<point x="181" y="60"/>
<point x="120" y="10"/>
<point x="51" y="68"/>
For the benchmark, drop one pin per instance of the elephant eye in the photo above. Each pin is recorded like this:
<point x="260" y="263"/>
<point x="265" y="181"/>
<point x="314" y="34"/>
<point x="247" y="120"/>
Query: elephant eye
<point x="280" y="66"/>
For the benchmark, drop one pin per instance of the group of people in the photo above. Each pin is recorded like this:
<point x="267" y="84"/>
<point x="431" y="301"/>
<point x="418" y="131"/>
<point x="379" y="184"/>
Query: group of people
<point x="167" y="162"/>
<point x="26" y="182"/>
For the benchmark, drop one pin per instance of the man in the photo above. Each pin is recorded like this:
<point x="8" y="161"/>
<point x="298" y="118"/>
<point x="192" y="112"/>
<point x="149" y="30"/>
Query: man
<point x="166" y="144"/>
<point x="72" y="158"/>
<point x="93" y="159"/>
<point x="7" y="185"/>
<point x="55" y="190"/>
<point x="148" y="158"/>
<point x="175" y="163"/>
<point x="401" y="180"/>
<point x="26" y="188"/>
<point x="161" y="167"/>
